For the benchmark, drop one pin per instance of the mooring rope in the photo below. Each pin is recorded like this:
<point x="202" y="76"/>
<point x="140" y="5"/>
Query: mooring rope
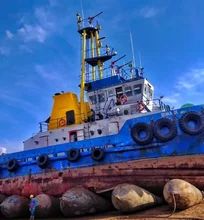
<point x="174" y="202"/>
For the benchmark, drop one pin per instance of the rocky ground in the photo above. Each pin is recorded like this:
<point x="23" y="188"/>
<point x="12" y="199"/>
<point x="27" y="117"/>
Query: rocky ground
<point x="162" y="212"/>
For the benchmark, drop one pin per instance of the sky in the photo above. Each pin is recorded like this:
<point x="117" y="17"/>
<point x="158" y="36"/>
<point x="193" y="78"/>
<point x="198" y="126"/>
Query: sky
<point x="40" y="53"/>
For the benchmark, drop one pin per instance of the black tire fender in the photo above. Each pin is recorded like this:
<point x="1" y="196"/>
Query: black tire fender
<point x="12" y="165"/>
<point x="195" y="117"/>
<point x="73" y="154"/>
<point x="97" y="154"/>
<point x="165" y="123"/>
<point x="42" y="161"/>
<point x="136" y="131"/>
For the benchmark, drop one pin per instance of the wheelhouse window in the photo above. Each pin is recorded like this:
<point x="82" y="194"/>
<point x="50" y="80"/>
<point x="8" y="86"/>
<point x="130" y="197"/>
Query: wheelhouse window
<point x="145" y="89"/>
<point x="137" y="89"/>
<point x="128" y="91"/>
<point x="93" y="99"/>
<point x="119" y="91"/>
<point x="101" y="97"/>
<point x="110" y="92"/>
<point x="150" y="92"/>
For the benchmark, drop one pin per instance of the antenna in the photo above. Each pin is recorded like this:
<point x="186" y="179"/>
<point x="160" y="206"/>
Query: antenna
<point x="82" y="12"/>
<point x="141" y="69"/>
<point x="113" y="62"/>
<point x="132" y="48"/>
<point x="91" y="18"/>
<point x="140" y="59"/>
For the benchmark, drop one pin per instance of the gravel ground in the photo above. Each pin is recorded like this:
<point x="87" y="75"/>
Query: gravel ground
<point x="162" y="212"/>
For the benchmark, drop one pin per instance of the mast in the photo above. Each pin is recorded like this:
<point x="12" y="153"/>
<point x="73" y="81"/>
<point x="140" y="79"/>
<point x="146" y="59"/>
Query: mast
<point x="90" y="53"/>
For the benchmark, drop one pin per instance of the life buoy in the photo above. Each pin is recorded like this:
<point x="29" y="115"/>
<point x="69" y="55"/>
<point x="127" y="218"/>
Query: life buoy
<point x="97" y="154"/>
<point x="140" y="106"/>
<point x="73" y="154"/>
<point x="191" y="123"/>
<point x="12" y="165"/>
<point x="62" y="122"/>
<point x="42" y="161"/>
<point x="123" y="99"/>
<point x="142" y="133"/>
<point x="165" y="129"/>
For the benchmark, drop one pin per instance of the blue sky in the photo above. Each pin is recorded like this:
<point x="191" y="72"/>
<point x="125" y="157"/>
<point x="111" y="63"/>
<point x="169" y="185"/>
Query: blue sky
<point x="40" y="53"/>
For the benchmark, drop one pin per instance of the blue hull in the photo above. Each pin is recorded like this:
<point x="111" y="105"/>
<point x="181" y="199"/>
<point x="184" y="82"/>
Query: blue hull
<point x="117" y="148"/>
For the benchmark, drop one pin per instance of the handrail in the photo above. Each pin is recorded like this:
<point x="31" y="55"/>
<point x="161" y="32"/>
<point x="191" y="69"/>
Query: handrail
<point x="56" y="121"/>
<point x="123" y="72"/>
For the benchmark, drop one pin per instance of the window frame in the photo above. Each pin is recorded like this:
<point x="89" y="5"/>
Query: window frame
<point x="101" y="94"/>
<point x="128" y="92"/>
<point x="139" y="86"/>
<point x="93" y="101"/>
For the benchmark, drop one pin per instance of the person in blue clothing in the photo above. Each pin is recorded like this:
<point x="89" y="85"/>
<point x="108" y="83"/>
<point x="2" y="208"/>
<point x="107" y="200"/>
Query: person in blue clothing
<point x="32" y="206"/>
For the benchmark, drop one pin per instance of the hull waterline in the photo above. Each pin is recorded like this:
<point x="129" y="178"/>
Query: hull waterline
<point x="151" y="174"/>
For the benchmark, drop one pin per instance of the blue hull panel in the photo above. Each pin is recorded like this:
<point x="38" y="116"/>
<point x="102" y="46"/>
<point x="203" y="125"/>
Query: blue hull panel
<point x="118" y="148"/>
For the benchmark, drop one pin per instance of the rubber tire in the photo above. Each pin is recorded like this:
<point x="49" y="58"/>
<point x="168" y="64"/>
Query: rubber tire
<point x="165" y="122"/>
<point x="12" y="165"/>
<point x="185" y="118"/>
<point x="42" y="161"/>
<point x="137" y="128"/>
<point x="71" y="157"/>
<point x="97" y="154"/>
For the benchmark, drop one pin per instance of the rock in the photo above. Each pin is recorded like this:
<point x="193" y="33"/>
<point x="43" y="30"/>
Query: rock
<point x="80" y="201"/>
<point x="48" y="206"/>
<point x="182" y="194"/>
<point x="130" y="198"/>
<point x="15" y="206"/>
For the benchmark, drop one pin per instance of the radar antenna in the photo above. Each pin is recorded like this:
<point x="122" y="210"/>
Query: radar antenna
<point x="91" y="18"/>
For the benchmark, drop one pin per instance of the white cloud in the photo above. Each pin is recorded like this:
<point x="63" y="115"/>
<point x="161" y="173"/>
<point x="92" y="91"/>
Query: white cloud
<point x="33" y="33"/>
<point x="4" y="51"/>
<point x="171" y="99"/>
<point x="45" y="18"/>
<point x="53" y="3"/>
<point x="11" y="145"/>
<point x="25" y="48"/>
<point x="191" y="80"/>
<point x="43" y="24"/>
<point x="188" y="88"/>
<point x="9" y="34"/>
<point x="54" y="74"/>
<point x="149" y="12"/>
<point x="46" y="73"/>
<point x="39" y="25"/>
<point x="11" y="100"/>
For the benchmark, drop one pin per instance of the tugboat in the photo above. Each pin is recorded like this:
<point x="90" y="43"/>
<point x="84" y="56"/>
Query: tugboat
<point x="118" y="134"/>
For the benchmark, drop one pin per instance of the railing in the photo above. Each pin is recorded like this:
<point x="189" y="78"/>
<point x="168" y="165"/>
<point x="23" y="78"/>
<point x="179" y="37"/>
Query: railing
<point x="57" y="122"/>
<point x="43" y="126"/>
<point x="126" y="73"/>
<point x="105" y="51"/>
<point x="157" y="104"/>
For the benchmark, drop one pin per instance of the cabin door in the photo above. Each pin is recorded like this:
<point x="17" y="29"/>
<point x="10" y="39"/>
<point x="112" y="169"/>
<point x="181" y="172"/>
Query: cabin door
<point x="70" y="116"/>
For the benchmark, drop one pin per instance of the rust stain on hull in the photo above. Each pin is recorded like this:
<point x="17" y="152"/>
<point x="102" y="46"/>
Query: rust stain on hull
<point x="151" y="174"/>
